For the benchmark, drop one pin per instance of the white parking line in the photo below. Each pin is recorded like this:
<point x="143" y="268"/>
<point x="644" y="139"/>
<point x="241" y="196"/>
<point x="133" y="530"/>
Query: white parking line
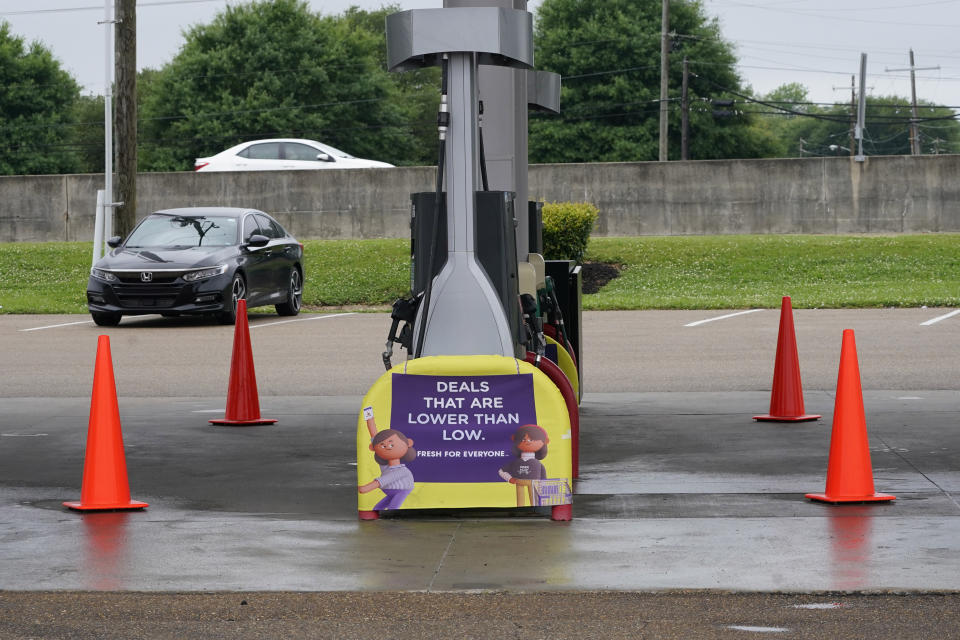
<point x="308" y="319"/>
<point x="939" y="318"/>
<point x="253" y="326"/>
<point x="729" y="315"/>
<point x="54" y="326"/>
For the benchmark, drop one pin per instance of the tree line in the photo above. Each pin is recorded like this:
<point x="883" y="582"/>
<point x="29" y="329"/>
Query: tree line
<point x="274" y="68"/>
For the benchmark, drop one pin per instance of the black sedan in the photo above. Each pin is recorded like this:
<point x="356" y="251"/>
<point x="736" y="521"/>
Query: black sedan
<point x="198" y="260"/>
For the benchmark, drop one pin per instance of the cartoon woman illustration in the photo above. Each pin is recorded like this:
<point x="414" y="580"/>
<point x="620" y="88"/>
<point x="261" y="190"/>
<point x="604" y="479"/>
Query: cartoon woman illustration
<point x="390" y="449"/>
<point x="530" y="447"/>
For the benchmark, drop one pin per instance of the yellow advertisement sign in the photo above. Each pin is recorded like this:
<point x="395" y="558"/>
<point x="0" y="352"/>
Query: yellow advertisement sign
<point x="461" y="432"/>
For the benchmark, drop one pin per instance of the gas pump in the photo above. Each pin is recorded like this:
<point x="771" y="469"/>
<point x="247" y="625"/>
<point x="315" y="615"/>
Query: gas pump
<point x="477" y="388"/>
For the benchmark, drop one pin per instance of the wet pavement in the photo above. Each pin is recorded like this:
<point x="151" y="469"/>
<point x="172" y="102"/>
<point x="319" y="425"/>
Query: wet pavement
<point x="679" y="492"/>
<point x="676" y="491"/>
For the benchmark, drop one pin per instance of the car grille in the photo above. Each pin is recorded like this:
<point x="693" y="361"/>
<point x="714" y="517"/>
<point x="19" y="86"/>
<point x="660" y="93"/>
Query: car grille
<point x="153" y="297"/>
<point x="138" y="303"/>
<point x="158" y="277"/>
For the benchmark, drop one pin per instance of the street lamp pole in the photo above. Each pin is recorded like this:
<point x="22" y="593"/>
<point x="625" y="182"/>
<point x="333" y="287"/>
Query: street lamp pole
<point x="108" y="120"/>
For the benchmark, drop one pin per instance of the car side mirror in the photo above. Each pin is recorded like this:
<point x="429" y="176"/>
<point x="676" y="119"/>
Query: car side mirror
<point x="257" y="240"/>
<point x="114" y="242"/>
<point x="323" y="157"/>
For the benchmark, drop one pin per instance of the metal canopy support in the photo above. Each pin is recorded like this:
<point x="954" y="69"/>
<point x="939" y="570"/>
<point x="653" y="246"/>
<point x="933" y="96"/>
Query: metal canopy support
<point x="543" y="91"/>
<point x="462" y="152"/>
<point x="507" y="93"/>
<point x="498" y="36"/>
<point x="465" y="315"/>
<point x="504" y="95"/>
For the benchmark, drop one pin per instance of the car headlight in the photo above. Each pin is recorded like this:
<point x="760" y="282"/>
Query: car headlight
<point x="100" y="274"/>
<point x="203" y="274"/>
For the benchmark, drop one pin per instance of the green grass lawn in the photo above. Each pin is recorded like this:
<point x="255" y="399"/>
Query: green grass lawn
<point x="44" y="277"/>
<point x="734" y="272"/>
<point x="51" y="277"/>
<point x="678" y="272"/>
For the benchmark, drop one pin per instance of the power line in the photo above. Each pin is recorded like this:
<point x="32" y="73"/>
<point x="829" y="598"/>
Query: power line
<point x="777" y="105"/>
<point x="873" y="7"/>
<point x="889" y="7"/>
<point x="157" y="3"/>
<point x="844" y="119"/>
<point x="808" y="70"/>
<point x="237" y="74"/>
<point x="809" y="14"/>
<point x="807" y="45"/>
<point x="216" y="114"/>
<point x="613" y="71"/>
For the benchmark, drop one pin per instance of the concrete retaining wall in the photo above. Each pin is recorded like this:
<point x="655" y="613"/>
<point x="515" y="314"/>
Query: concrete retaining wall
<point x="891" y="194"/>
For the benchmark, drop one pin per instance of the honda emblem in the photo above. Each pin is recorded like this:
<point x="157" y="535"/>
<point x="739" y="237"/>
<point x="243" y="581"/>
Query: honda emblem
<point x="146" y="276"/>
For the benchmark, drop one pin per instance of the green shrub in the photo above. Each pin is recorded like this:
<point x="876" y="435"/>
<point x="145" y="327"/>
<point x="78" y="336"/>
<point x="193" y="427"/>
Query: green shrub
<point x="566" y="229"/>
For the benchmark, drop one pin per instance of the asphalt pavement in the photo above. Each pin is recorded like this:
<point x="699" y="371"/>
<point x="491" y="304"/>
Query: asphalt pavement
<point x="689" y="516"/>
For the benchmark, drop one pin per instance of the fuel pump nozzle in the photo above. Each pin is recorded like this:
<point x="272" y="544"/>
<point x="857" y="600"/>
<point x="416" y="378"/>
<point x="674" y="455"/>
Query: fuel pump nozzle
<point x="404" y="310"/>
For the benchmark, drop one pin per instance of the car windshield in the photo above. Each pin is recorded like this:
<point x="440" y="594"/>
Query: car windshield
<point x="183" y="231"/>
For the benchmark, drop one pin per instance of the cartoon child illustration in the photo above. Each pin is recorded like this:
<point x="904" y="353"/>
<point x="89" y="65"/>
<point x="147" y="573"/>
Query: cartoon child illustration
<point x="530" y="447"/>
<point x="390" y="449"/>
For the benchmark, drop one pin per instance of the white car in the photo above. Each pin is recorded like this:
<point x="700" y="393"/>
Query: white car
<point x="283" y="154"/>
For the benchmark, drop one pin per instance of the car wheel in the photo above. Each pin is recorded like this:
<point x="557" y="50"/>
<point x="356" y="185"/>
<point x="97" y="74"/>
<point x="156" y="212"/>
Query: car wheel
<point x="238" y="291"/>
<point x="294" y="295"/>
<point x="106" y="318"/>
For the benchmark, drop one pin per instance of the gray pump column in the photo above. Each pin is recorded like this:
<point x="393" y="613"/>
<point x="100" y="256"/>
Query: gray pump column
<point x="506" y="94"/>
<point x="465" y="315"/>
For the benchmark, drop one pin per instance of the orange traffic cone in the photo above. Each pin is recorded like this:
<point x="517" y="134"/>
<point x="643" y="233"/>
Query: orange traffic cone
<point x="786" y="397"/>
<point x="243" y="404"/>
<point x="105" y="483"/>
<point x="849" y="473"/>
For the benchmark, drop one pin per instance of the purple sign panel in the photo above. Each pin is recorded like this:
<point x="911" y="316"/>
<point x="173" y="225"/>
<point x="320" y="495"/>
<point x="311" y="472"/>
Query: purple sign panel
<point x="461" y="425"/>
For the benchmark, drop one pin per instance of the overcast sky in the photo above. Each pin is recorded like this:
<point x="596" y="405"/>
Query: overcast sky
<point x="814" y="42"/>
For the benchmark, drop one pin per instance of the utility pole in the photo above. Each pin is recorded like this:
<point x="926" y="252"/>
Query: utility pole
<point x="126" y="115"/>
<point x="914" y="119"/>
<point x="664" y="69"/>
<point x="685" y="116"/>
<point x="914" y="131"/>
